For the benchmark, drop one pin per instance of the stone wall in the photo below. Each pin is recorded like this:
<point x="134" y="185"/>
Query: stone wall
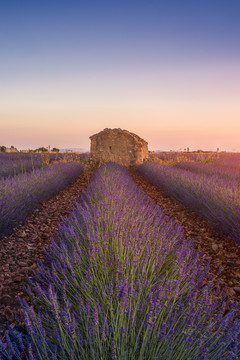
<point x="118" y="145"/>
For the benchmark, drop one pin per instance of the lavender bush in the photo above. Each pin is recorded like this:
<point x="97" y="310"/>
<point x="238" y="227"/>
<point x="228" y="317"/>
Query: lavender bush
<point x="221" y="161"/>
<point x="18" y="163"/>
<point x="12" y="164"/>
<point x="228" y="172"/>
<point x="215" y="199"/>
<point x="171" y="157"/>
<point x="20" y="194"/>
<point x="229" y="160"/>
<point x="120" y="281"/>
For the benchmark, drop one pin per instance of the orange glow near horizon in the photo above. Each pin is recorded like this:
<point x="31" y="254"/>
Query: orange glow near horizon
<point x="74" y="69"/>
<point x="194" y="106"/>
<point x="163" y="130"/>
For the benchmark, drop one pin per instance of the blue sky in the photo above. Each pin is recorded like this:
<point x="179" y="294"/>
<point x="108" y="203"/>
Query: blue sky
<point x="167" y="70"/>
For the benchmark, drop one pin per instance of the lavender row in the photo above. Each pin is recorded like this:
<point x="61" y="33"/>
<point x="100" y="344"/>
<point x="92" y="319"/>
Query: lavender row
<point x="175" y="157"/>
<point x="229" y="160"/>
<point x="228" y="172"/>
<point x="215" y="199"/>
<point x="20" y="194"/>
<point x="14" y="163"/>
<point x="226" y="162"/>
<point x="120" y="281"/>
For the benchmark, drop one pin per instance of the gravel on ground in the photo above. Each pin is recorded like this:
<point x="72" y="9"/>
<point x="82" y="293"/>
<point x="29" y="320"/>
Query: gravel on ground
<point x="222" y="251"/>
<point x="20" y="250"/>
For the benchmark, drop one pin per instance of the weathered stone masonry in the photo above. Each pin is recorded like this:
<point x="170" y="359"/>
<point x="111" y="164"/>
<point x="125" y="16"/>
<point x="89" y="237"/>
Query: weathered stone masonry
<point x="118" y="145"/>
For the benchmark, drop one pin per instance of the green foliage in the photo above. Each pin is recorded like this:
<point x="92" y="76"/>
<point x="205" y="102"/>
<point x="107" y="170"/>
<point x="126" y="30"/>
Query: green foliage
<point x="41" y="149"/>
<point x="3" y="148"/>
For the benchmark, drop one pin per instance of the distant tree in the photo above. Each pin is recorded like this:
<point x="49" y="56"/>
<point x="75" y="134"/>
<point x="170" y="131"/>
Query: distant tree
<point x="55" y="149"/>
<point x="13" y="148"/>
<point x="3" y="148"/>
<point x="41" y="149"/>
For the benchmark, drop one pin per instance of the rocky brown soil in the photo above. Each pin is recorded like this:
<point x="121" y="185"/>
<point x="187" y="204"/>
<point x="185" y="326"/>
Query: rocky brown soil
<point x="222" y="251"/>
<point x="19" y="251"/>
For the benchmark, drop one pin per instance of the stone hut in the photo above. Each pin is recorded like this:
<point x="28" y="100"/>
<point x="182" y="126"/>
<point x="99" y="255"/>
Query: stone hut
<point x="120" y="146"/>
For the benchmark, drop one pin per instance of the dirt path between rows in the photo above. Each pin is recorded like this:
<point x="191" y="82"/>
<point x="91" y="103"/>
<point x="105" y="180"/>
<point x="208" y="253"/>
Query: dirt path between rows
<point x="19" y="251"/>
<point x="221" y="250"/>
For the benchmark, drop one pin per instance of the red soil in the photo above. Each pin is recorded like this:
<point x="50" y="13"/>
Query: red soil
<point x="222" y="251"/>
<point x="19" y="251"/>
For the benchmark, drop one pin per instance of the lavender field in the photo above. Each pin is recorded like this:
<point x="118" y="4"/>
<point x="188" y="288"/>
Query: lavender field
<point x="120" y="281"/>
<point x="12" y="164"/>
<point x="15" y="163"/>
<point x="21" y="193"/>
<point x="222" y="159"/>
<point x="211" y="190"/>
<point x="228" y="171"/>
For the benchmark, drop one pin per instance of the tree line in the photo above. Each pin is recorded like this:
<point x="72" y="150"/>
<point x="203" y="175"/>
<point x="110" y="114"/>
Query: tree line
<point x="41" y="149"/>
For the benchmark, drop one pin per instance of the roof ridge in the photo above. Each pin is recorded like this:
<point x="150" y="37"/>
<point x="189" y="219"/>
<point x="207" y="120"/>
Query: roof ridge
<point x="135" y="136"/>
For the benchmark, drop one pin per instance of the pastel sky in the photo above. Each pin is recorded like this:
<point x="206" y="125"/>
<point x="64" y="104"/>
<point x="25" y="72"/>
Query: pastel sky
<point x="167" y="70"/>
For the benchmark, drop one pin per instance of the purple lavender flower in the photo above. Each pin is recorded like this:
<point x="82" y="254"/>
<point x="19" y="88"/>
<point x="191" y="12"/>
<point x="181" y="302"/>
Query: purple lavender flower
<point x="120" y="280"/>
